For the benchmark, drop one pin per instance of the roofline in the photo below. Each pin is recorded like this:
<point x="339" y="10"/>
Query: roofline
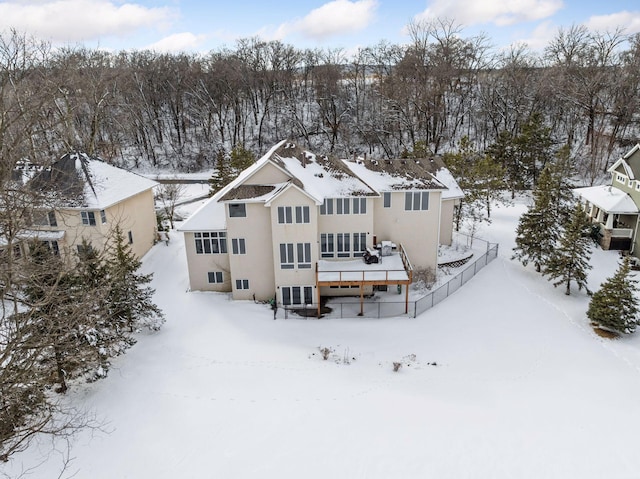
<point x="292" y="185"/>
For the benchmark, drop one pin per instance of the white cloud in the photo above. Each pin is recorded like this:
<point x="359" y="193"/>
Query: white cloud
<point x="178" y="42"/>
<point x="334" y="18"/>
<point x="79" y="20"/>
<point x="540" y="36"/>
<point x="498" y="12"/>
<point x="630" y="21"/>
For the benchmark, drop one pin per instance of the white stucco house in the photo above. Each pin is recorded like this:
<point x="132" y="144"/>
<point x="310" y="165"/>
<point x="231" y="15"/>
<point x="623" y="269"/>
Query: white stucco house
<point x="295" y="226"/>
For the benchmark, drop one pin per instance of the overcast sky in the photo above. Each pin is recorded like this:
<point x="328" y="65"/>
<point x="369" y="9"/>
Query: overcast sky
<point x="202" y="25"/>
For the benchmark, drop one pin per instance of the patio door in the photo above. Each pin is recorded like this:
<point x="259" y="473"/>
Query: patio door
<point x="292" y="295"/>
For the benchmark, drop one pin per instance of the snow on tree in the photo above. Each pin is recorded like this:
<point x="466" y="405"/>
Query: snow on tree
<point x="569" y="261"/>
<point x="129" y="299"/>
<point x="614" y="307"/>
<point x="228" y="167"/>
<point x="540" y="227"/>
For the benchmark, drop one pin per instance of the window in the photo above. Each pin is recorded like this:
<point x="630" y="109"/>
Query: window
<point x="304" y="255"/>
<point x="327" y="247"/>
<point x="284" y="214"/>
<point x="386" y="199"/>
<point x="637" y="185"/>
<point x="359" y="206"/>
<point x="130" y="235"/>
<point x="620" y="178"/>
<point x="211" y="243"/>
<point x="41" y="218"/>
<point x="327" y="207"/>
<point x="50" y="245"/>
<point x="302" y="214"/>
<point x="84" y="250"/>
<point x="297" y="295"/>
<point x="359" y="243"/>
<point x="242" y="284"/>
<point x="103" y="216"/>
<point x="342" y="206"/>
<point x="344" y="248"/>
<point x="416" y="200"/>
<point x="286" y="256"/>
<point x="88" y="218"/>
<point x="215" y="277"/>
<point x="238" y="246"/>
<point x="237" y="210"/>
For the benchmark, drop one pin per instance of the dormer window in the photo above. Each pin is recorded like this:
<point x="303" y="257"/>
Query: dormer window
<point x="621" y="178"/>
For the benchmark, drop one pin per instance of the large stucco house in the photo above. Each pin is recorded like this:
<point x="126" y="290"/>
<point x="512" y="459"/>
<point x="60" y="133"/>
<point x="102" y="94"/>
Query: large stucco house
<point x="614" y="208"/>
<point x="85" y="198"/>
<point x="295" y="226"/>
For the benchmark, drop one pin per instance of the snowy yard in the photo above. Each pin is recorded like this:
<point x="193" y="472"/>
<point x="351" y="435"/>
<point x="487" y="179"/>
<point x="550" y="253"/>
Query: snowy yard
<point x="504" y="379"/>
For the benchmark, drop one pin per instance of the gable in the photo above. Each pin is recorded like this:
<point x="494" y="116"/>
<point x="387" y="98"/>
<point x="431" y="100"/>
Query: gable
<point x="269" y="174"/>
<point x="633" y="160"/>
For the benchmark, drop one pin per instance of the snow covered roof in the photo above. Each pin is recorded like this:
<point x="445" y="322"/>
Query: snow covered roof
<point x="79" y="181"/>
<point x="608" y="198"/>
<point x="209" y="217"/>
<point x="392" y="175"/>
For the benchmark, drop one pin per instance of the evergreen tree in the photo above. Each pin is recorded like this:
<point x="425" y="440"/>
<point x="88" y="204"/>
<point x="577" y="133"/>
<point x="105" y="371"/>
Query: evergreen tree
<point x="570" y="260"/>
<point x="129" y="298"/>
<point x="221" y="175"/>
<point x="534" y="147"/>
<point x="540" y="227"/>
<point x="614" y="306"/>
<point x="504" y="152"/>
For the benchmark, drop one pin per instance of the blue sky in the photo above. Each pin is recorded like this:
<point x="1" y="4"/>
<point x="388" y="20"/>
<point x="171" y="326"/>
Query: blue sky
<point x="202" y="25"/>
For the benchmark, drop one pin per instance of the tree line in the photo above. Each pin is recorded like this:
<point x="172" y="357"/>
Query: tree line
<point x="179" y="111"/>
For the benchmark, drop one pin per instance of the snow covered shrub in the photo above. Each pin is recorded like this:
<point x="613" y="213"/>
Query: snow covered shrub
<point x="326" y="352"/>
<point x="396" y="367"/>
<point x="424" y="278"/>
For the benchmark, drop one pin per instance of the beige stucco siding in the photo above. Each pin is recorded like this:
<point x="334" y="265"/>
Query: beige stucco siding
<point x="135" y="214"/>
<point x="417" y="231"/>
<point x="269" y="174"/>
<point x="446" y="221"/>
<point x="293" y="234"/>
<point x="256" y="265"/>
<point x="200" y="265"/>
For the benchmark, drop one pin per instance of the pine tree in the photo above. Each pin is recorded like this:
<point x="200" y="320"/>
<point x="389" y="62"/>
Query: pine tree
<point x="614" y="306"/>
<point x="540" y="227"/>
<point x="222" y="175"/>
<point x="570" y="260"/>
<point x="129" y="298"/>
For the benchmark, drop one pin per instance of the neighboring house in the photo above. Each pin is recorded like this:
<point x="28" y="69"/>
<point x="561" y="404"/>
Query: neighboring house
<point x="614" y="207"/>
<point x="86" y="198"/>
<point x="295" y="226"/>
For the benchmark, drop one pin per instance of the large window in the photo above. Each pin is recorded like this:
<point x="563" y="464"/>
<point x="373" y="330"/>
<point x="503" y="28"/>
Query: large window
<point x="285" y="214"/>
<point x="386" y="199"/>
<point x="215" y="277"/>
<point x="302" y="214"/>
<point x="238" y="246"/>
<point x="327" y="207"/>
<point x="237" y="210"/>
<point x="211" y="242"/>
<point x="416" y="200"/>
<point x="359" y="206"/>
<point x="103" y="216"/>
<point x="88" y="218"/>
<point x="327" y="246"/>
<point x="52" y="246"/>
<point x="304" y="255"/>
<point x="359" y="243"/>
<point x="286" y="256"/>
<point x="342" y="206"/>
<point x="344" y="245"/>
<point x="297" y="295"/>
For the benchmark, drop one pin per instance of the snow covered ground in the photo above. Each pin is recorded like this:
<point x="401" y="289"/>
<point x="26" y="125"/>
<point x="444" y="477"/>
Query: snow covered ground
<point x="504" y="379"/>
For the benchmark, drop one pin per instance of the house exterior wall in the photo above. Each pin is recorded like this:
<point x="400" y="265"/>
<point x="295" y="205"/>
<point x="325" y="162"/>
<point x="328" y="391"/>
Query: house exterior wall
<point x="348" y="223"/>
<point x="135" y="214"/>
<point x="417" y="230"/>
<point x="256" y="265"/>
<point x="200" y="265"/>
<point x="446" y="221"/>
<point x="269" y="174"/>
<point x="293" y="234"/>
